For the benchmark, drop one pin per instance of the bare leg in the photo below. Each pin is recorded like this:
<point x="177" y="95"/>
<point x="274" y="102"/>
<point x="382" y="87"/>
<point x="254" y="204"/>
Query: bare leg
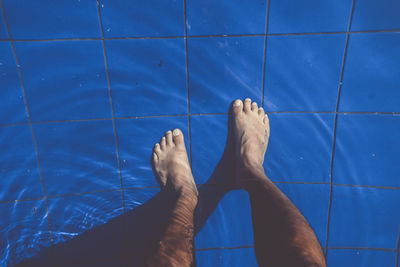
<point x="171" y="168"/>
<point x="282" y="235"/>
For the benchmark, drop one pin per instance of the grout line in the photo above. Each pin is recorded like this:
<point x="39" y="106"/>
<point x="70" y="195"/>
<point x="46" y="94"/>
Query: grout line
<point x="197" y="36"/>
<point x="216" y="248"/>
<point x="187" y="85"/>
<point x="201" y="114"/>
<point x="370" y="186"/>
<point x="335" y="128"/>
<point x="361" y="248"/>
<point x="265" y="52"/>
<point x="284" y="182"/>
<point x="111" y="105"/>
<point x="29" y="120"/>
<point x="198" y="185"/>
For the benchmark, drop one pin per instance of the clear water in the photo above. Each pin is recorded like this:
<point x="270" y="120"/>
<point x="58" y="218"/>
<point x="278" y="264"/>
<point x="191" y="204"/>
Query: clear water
<point x="83" y="100"/>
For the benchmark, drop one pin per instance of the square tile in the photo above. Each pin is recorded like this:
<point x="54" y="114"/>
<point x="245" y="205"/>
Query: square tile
<point x="299" y="147"/>
<point x="3" y="28"/>
<point x="226" y="257"/>
<point x="12" y="105"/>
<point x="77" y="157"/>
<point x="20" y="178"/>
<point x="23" y="230"/>
<point x="136" y="139"/>
<point x="360" y="258"/>
<point x="308" y="16"/>
<point x="230" y="225"/>
<point x="210" y="17"/>
<point x="376" y="15"/>
<point x="371" y="77"/>
<point x="366" y="149"/>
<point x="364" y="217"/>
<point x="70" y="216"/>
<point x="143" y="18"/>
<point x="205" y="156"/>
<point x="46" y="19"/>
<point x="223" y="69"/>
<point x="148" y="77"/>
<point x="313" y="202"/>
<point x="64" y="80"/>
<point x="303" y="72"/>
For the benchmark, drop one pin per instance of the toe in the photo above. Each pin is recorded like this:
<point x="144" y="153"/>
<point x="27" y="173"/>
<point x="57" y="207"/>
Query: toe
<point x="168" y="137"/>
<point x="157" y="149"/>
<point x="163" y="142"/>
<point x="247" y="105"/>
<point x="254" y="106"/>
<point x="178" y="137"/>
<point x="261" y="113"/>
<point x="266" y="120"/>
<point x="154" y="158"/>
<point x="237" y="106"/>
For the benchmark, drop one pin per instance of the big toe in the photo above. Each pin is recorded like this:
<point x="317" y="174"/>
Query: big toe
<point x="237" y="107"/>
<point x="178" y="137"/>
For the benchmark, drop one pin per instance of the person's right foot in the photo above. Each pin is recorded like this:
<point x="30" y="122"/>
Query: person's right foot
<point x="251" y="134"/>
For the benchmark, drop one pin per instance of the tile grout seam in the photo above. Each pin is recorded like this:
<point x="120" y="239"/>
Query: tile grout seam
<point x="187" y="84"/>
<point x="265" y="52"/>
<point x="335" y="126"/>
<point x="199" y="36"/>
<point x="30" y="122"/>
<point x="200" y="114"/>
<point x="111" y="103"/>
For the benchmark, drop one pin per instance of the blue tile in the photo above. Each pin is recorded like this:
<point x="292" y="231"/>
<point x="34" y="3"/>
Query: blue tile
<point x="77" y="156"/>
<point x="371" y="79"/>
<point x="219" y="17"/>
<point x="376" y="15"/>
<point x="11" y="95"/>
<point x="299" y="148"/>
<point x="313" y="201"/>
<point x="45" y="19"/>
<point x="364" y="217"/>
<point x="73" y="215"/>
<point x="24" y="229"/>
<point x="230" y="225"/>
<point x="360" y="258"/>
<point x="222" y="70"/>
<point x="143" y="18"/>
<point x="226" y="257"/>
<point x="18" y="164"/>
<point x="64" y="80"/>
<point x="3" y="28"/>
<point x="205" y="156"/>
<point x="136" y="139"/>
<point x="148" y="77"/>
<point x="288" y="16"/>
<point x="303" y="72"/>
<point x="366" y="146"/>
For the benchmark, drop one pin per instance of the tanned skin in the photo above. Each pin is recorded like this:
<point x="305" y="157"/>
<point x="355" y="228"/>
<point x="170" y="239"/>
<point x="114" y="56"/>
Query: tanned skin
<point x="282" y="235"/>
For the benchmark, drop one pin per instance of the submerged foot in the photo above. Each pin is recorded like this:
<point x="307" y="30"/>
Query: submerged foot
<point x="171" y="165"/>
<point x="251" y="134"/>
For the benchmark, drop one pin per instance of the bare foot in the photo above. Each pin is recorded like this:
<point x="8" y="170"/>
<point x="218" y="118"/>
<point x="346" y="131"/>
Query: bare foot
<point x="171" y="166"/>
<point x="251" y="134"/>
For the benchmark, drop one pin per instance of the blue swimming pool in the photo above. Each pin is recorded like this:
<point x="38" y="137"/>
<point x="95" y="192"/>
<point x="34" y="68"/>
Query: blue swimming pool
<point x="87" y="87"/>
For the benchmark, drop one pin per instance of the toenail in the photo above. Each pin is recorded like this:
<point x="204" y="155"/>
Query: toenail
<point x="168" y="132"/>
<point x="176" y="132"/>
<point x="260" y="108"/>
<point x="237" y="103"/>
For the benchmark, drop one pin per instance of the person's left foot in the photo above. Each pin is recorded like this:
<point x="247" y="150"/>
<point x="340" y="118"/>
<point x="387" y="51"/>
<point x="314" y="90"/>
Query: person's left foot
<point x="171" y="166"/>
